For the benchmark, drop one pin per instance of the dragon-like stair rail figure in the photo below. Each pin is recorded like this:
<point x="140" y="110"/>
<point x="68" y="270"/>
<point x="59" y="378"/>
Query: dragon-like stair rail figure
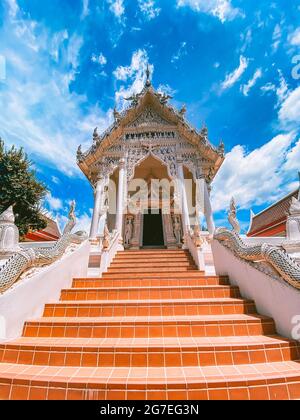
<point x="286" y="266"/>
<point x="27" y="258"/>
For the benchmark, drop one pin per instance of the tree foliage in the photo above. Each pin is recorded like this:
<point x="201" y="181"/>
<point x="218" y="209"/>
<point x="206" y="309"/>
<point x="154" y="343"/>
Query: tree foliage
<point x="20" y="187"/>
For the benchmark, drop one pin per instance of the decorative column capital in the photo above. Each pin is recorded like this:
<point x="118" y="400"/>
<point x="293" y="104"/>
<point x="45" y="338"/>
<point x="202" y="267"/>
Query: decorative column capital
<point x="122" y="163"/>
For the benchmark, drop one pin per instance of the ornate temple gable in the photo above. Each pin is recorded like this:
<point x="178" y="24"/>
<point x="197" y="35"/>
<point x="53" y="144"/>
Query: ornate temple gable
<point x="151" y="120"/>
<point x="149" y="117"/>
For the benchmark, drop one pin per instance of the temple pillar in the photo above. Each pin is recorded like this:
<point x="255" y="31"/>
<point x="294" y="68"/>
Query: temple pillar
<point x="184" y="202"/>
<point x="98" y="190"/>
<point x="208" y="209"/>
<point x="120" y="201"/>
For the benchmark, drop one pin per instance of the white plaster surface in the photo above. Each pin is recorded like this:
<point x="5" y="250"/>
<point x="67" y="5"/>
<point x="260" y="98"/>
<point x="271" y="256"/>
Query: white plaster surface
<point x="273" y="297"/>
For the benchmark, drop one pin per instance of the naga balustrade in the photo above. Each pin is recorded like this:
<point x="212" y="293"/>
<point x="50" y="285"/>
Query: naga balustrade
<point x="276" y="256"/>
<point x="24" y="259"/>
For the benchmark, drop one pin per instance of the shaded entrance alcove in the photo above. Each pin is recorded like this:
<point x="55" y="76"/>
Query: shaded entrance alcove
<point x="152" y="227"/>
<point x="153" y="235"/>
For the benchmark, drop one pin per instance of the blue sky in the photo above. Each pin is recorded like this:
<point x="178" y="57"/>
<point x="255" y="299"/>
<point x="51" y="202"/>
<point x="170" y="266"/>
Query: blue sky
<point x="234" y="63"/>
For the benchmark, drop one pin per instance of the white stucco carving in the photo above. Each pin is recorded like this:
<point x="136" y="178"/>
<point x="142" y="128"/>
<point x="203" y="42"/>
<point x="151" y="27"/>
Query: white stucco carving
<point x="9" y="233"/>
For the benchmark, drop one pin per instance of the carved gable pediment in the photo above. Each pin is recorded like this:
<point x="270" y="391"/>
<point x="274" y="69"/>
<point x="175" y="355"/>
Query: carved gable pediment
<point x="149" y="117"/>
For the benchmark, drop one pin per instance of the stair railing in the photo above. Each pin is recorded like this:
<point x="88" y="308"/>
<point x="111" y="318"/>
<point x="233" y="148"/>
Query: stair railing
<point x="194" y="243"/>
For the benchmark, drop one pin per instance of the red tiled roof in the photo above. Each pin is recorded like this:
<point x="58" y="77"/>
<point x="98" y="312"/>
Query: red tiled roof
<point x="271" y="221"/>
<point x="50" y="233"/>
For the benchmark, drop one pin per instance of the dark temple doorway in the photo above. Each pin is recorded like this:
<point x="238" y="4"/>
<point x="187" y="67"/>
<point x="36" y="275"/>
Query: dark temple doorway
<point x="153" y="235"/>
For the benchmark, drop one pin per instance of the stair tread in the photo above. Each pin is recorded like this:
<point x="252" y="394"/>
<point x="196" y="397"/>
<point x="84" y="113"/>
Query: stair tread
<point x="152" y="301"/>
<point x="146" y="319"/>
<point x="285" y="371"/>
<point x="204" y="286"/>
<point x="134" y="344"/>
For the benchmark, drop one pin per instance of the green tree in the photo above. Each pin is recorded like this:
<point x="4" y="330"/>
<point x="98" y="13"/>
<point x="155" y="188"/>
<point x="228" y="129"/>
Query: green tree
<point x="19" y="187"/>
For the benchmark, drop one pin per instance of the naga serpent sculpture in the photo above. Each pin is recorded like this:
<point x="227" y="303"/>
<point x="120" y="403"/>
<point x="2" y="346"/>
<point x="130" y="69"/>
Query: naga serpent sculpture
<point x="286" y="266"/>
<point x="26" y="258"/>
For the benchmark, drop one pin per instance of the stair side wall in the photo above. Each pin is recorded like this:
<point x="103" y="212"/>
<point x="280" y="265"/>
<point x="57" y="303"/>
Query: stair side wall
<point x="273" y="297"/>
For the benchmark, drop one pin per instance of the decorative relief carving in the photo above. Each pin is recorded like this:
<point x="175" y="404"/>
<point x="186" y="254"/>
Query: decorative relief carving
<point x="177" y="229"/>
<point x="128" y="230"/>
<point x="134" y="156"/>
<point x="232" y="218"/>
<point x="168" y="156"/>
<point x="278" y="259"/>
<point x="9" y="233"/>
<point x="149" y="117"/>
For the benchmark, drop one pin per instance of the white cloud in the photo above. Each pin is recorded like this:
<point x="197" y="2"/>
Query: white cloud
<point x="55" y="180"/>
<point x="258" y="177"/>
<point x="233" y="77"/>
<point x="222" y="9"/>
<point x="251" y="83"/>
<point x="38" y="109"/>
<point x="83" y="222"/>
<point x="294" y="38"/>
<point x="54" y="203"/>
<point x="13" y="8"/>
<point x="117" y="7"/>
<point x="181" y="52"/>
<point x="148" y="8"/>
<point x="247" y="39"/>
<point x="293" y="159"/>
<point x="276" y="37"/>
<point x="134" y="75"/>
<point x="268" y="87"/>
<point x="57" y="42"/>
<point x="289" y="112"/>
<point x="100" y="59"/>
<point x="85" y="9"/>
<point x="282" y="90"/>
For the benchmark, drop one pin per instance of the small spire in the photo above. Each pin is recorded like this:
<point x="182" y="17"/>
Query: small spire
<point x="148" y="81"/>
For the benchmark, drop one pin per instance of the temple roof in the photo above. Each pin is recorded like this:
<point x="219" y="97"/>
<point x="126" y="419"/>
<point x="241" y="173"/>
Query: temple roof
<point x="50" y="233"/>
<point x="274" y="215"/>
<point x="171" y="118"/>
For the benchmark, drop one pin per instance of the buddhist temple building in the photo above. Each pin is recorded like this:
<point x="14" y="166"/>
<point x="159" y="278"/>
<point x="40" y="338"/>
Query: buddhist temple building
<point x="272" y="220"/>
<point x="151" y="140"/>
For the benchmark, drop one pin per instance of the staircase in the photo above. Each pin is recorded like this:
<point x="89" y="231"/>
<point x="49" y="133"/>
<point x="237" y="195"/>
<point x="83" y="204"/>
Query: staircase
<point x="153" y="327"/>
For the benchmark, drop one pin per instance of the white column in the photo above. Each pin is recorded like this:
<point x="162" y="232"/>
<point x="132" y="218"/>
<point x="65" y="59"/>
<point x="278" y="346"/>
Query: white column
<point x="97" y="204"/>
<point x="120" y="202"/>
<point x="184" y="203"/>
<point x="208" y="210"/>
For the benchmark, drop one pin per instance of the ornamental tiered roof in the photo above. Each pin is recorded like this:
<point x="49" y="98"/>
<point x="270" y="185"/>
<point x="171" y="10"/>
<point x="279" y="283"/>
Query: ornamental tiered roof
<point x="272" y="220"/>
<point x="173" y="120"/>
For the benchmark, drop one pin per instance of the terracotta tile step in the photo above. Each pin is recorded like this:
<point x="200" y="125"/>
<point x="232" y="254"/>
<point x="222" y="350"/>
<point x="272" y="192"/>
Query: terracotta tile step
<point x="278" y="380"/>
<point x="152" y="259"/>
<point x="154" y="274"/>
<point x="151" y="264"/>
<point x="158" y="256"/>
<point x="154" y="326"/>
<point x="149" y="282"/>
<point x="145" y="270"/>
<point x="149" y="252"/>
<point x="163" y="292"/>
<point x="221" y="306"/>
<point x="195" y="351"/>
